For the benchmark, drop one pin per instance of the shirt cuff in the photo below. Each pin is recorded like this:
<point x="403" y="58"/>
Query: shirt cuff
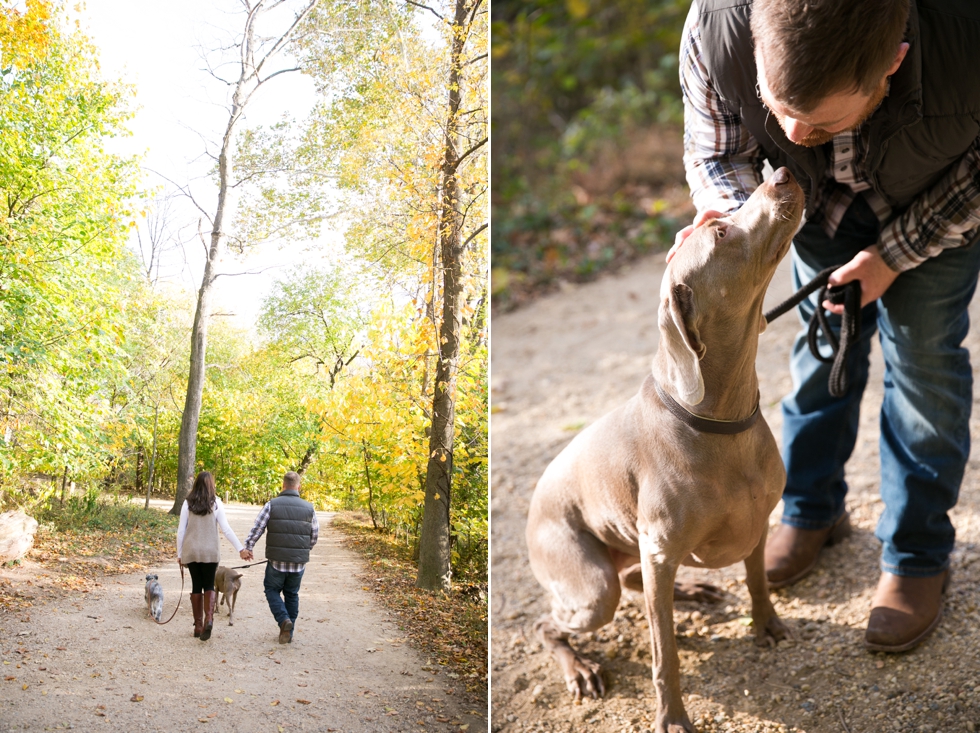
<point x="896" y="249"/>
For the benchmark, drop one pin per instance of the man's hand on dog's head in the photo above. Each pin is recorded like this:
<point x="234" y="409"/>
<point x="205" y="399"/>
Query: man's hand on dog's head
<point x="684" y="233"/>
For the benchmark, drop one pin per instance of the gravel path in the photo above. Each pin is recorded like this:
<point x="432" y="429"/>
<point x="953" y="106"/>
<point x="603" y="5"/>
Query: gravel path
<point x="568" y="358"/>
<point x="97" y="662"/>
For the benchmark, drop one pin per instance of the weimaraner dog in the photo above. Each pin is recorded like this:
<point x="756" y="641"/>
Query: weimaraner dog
<point x="687" y="471"/>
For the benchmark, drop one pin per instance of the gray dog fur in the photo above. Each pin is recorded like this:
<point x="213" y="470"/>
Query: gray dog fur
<point x="639" y="493"/>
<point x="153" y="595"/>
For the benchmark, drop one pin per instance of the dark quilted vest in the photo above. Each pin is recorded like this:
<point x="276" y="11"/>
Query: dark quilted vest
<point x="929" y="119"/>
<point x="287" y="536"/>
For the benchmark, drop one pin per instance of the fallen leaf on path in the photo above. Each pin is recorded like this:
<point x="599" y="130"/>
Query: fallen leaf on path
<point x="136" y="698"/>
<point x="228" y="699"/>
<point x="303" y="702"/>
<point x="274" y="702"/>
<point x="61" y="648"/>
<point x="240" y="692"/>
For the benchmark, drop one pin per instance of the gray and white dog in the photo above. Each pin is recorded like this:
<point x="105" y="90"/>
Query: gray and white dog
<point x="154" y="597"/>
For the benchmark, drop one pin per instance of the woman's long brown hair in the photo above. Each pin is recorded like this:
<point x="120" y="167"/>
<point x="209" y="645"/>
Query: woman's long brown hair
<point x="201" y="499"/>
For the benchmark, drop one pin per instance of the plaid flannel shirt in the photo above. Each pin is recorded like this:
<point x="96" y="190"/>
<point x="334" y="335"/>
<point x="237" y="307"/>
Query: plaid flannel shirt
<point x="261" y="522"/>
<point x="724" y="165"/>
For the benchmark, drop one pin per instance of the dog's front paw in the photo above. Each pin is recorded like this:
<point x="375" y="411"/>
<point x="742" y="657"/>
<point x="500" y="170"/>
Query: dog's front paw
<point x="675" y="725"/>
<point x="772" y="631"/>
<point x="583" y="676"/>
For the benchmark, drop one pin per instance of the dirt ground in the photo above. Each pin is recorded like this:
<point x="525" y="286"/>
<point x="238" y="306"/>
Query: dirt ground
<point x="563" y="361"/>
<point x="98" y="662"/>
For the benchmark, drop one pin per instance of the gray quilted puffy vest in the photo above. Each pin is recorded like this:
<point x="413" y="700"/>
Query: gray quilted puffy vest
<point x="928" y="121"/>
<point x="288" y="532"/>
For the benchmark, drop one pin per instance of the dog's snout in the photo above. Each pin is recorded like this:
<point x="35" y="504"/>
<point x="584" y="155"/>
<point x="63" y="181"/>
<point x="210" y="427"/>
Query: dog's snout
<point x="781" y="176"/>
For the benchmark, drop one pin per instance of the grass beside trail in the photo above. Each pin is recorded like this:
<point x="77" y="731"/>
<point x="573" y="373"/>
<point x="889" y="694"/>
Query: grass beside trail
<point x="80" y="543"/>
<point x="451" y="628"/>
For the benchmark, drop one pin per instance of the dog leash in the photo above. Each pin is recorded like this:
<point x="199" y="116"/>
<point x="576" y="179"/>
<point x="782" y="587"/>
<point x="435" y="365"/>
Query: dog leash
<point x="848" y="295"/>
<point x="239" y="567"/>
<point x="178" y="599"/>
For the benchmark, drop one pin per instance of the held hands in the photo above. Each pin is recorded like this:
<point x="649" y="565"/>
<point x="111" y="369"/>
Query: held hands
<point x="684" y="233"/>
<point x="870" y="269"/>
<point x="246" y="554"/>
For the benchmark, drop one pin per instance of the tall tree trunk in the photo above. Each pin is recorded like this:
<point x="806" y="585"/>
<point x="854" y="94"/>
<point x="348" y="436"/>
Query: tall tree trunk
<point x="367" y="475"/>
<point x="153" y="457"/>
<point x="139" y="468"/>
<point x="249" y="81"/>
<point x="434" y="543"/>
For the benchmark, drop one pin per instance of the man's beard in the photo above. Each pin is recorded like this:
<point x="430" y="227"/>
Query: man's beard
<point x="819" y="137"/>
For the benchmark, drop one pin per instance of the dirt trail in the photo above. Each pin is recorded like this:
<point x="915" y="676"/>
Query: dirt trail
<point x="97" y="662"/>
<point x="568" y="358"/>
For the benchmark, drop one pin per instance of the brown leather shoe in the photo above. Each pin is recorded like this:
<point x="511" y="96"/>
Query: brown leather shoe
<point x="792" y="553"/>
<point x="904" y="611"/>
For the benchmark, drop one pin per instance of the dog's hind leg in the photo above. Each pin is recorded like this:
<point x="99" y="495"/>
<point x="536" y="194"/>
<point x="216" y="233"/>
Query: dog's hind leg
<point x="577" y="569"/>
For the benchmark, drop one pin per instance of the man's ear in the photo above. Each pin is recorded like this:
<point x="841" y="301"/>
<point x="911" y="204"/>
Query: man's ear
<point x="682" y="343"/>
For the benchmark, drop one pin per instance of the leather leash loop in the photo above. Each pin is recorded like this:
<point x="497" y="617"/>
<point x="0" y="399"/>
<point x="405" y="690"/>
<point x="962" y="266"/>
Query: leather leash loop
<point x="848" y="295"/>
<point x="161" y="623"/>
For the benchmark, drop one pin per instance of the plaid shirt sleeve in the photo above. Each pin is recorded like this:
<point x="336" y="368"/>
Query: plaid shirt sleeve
<point x="314" y="531"/>
<point x="723" y="161"/>
<point x="258" y="528"/>
<point x="944" y="217"/>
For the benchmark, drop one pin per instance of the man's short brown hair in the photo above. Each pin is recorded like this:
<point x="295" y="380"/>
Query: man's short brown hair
<point x="291" y="480"/>
<point x="812" y="49"/>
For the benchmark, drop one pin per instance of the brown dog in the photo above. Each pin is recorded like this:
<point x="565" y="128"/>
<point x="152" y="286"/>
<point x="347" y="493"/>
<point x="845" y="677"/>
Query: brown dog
<point x="228" y="583"/>
<point x="687" y="472"/>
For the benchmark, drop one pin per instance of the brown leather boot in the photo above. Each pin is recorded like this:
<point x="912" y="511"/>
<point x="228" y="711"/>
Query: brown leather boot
<point x="792" y="553"/>
<point x="905" y="611"/>
<point x="210" y="597"/>
<point x="197" y="603"/>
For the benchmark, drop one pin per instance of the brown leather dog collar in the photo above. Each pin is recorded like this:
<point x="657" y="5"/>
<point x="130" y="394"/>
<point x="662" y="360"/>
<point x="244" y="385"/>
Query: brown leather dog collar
<point x="706" y="424"/>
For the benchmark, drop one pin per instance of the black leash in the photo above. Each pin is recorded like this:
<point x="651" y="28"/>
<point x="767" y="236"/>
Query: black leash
<point x="848" y="295"/>
<point x="239" y="567"/>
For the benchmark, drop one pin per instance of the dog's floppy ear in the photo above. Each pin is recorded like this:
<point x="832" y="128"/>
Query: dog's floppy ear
<point x="682" y="343"/>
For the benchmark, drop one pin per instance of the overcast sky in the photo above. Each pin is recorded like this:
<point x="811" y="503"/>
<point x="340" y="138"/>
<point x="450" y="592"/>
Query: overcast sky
<point x="157" y="47"/>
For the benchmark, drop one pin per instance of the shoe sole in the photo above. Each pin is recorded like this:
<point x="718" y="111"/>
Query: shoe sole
<point x="839" y="532"/>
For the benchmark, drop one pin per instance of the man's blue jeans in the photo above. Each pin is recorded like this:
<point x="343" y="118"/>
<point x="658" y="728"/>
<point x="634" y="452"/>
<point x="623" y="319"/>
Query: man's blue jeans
<point x="282" y="593"/>
<point x="928" y="385"/>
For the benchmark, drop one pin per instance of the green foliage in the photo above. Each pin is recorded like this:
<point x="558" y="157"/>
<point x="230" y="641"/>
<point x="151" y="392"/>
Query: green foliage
<point x="67" y="283"/>
<point x="575" y="83"/>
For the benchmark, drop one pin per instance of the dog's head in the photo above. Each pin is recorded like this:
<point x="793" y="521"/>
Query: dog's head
<point x="717" y="279"/>
<point x="151" y="578"/>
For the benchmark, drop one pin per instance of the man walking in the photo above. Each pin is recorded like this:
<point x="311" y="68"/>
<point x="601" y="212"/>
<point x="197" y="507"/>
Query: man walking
<point x="868" y="103"/>
<point x="293" y="531"/>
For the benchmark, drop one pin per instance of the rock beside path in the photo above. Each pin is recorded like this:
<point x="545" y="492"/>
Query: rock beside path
<point x="17" y="532"/>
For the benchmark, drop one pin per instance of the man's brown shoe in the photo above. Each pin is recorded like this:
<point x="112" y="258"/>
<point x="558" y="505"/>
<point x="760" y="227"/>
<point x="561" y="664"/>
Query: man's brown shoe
<point x="904" y="611"/>
<point x="792" y="553"/>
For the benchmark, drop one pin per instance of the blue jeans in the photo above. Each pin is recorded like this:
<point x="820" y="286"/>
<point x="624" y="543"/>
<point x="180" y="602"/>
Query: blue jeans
<point x="928" y="393"/>
<point x="282" y="593"/>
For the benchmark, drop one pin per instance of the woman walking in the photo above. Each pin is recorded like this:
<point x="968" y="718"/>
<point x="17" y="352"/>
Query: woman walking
<point x="198" y="549"/>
